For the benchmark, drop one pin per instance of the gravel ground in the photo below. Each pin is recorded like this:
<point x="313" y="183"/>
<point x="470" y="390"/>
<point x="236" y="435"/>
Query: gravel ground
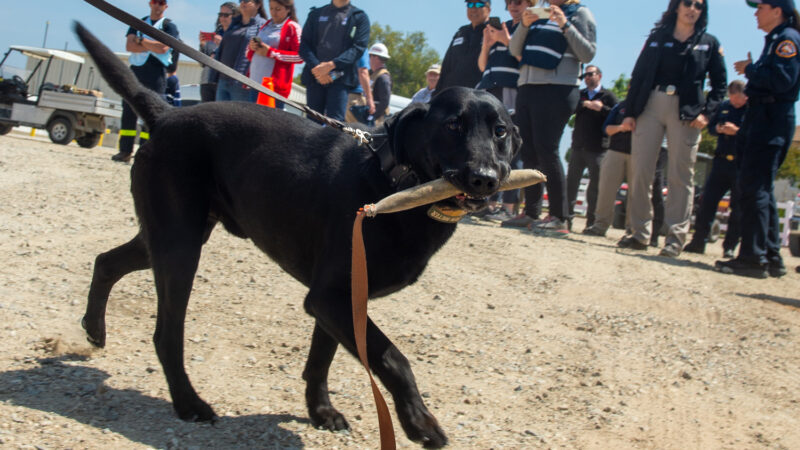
<point x="517" y="341"/>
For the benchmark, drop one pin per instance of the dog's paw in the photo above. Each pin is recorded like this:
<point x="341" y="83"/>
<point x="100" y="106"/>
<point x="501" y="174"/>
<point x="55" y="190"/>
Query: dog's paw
<point x="196" y="411"/>
<point x="328" y="418"/>
<point x="95" y="332"/>
<point x="420" y="426"/>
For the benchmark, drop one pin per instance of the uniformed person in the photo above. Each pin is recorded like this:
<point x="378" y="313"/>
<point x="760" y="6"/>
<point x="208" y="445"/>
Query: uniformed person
<point x="773" y="82"/>
<point x="725" y="124"/>
<point x="460" y="63"/>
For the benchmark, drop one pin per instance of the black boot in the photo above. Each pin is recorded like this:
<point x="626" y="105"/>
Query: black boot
<point x="695" y="247"/>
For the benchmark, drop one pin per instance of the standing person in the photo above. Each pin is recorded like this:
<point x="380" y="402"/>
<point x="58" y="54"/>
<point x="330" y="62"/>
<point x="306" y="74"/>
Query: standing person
<point x="149" y="60"/>
<point x="773" y="82"/>
<point x="361" y="95"/>
<point x="173" y="91"/>
<point x="274" y="53"/>
<point x="232" y="50"/>
<point x="334" y="37"/>
<point x="551" y="51"/>
<point x="431" y="79"/>
<point x="587" y="140"/>
<point x="723" y="177"/>
<point x="380" y="81"/>
<point x="666" y="97"/>
<point x="460" y="63"/>
<point x="209" y="44"/>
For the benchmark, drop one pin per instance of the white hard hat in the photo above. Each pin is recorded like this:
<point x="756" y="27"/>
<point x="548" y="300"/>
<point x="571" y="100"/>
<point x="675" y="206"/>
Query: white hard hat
<point x="379" y="49"/>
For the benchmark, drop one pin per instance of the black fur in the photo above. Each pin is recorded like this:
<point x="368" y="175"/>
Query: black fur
<point x="293" y="188"/>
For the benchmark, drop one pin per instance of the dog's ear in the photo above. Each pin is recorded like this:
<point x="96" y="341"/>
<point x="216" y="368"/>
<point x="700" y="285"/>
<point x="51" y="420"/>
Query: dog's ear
<point x="397" y="126"/>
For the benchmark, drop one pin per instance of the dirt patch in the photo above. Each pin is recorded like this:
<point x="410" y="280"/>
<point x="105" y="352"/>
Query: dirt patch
<point x="517" y="341"/>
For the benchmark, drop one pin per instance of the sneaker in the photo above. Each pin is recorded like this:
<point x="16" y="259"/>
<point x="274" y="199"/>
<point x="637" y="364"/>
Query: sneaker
<point x="483" y="213"/>
<point x="594" y="231"/>
<point x="695" y="247"/>
<point x="121" y="157"/>
<point x="521" y="221"/>
<point x="539" y="222"/>
<point x="630" y="243"/>
<point x="776" y="269"/>
<point x="672" y="250"/>
<point x="554" y="225"/>
<point x="742" y="268"/>
<point x="727" y="253"/>
<point x="500" y="216"/>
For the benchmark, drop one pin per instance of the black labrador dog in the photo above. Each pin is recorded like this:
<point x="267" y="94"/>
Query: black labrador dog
<point x="293" y="187"/>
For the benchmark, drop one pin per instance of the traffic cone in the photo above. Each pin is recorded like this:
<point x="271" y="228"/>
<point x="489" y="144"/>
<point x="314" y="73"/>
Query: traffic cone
<point x="264" y="99"/>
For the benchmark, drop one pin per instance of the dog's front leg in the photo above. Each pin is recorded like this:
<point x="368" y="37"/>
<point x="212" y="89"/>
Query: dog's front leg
<point x="334" y="316"/>
<point x="322" y="413"/>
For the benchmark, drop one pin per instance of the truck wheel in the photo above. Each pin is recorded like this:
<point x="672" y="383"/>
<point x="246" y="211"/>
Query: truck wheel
<point x="88" y="140"/>
<point x="5" y="128"/>
<point x="61" y="131"/>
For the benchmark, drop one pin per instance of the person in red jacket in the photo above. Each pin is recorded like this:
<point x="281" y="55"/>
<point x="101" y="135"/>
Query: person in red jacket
<point x="273" y="53"/>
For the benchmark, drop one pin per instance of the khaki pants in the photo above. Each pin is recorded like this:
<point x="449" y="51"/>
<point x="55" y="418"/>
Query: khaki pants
<point x="660" y="117"/>
<point x="353" y="100"/>
<point x="614" y="169"/>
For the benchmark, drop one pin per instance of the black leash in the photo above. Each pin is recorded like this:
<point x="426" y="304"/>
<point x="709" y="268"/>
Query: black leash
<point x="362" y="136"/>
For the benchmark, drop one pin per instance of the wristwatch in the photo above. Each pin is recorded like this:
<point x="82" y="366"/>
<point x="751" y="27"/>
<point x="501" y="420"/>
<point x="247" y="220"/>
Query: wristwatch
<point x="566" y="25"/>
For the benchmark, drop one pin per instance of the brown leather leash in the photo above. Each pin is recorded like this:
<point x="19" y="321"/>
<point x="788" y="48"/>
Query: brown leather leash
<point x="359" y="296"/>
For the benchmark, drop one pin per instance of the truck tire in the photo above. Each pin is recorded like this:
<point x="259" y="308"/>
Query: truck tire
<point x="5" y="128"/>
<point x="89" y="140"/>
<point x="61" y="131"/>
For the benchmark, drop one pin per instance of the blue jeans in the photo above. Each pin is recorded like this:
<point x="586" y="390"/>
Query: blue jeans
<point x="232" y="90"/>
<point x="330" y="100"/>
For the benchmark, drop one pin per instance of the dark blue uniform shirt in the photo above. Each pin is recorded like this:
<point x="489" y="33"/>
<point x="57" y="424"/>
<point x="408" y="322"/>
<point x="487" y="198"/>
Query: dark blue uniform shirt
<point x="726" y="145"/>
<point x="775" y="74"/>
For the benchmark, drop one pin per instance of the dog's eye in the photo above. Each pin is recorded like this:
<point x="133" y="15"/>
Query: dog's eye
<point x="500" y="131"/>
<point x="453" y="125"/>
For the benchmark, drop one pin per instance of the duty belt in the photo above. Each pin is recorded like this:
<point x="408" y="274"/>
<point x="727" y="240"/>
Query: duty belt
<point x="669" y="89"/>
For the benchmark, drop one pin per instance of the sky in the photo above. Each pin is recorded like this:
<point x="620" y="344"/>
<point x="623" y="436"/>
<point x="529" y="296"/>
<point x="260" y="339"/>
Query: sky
<point x="622" y="26"/>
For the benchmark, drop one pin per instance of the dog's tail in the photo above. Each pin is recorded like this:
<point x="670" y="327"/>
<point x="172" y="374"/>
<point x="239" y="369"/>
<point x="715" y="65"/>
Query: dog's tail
<point x="147" y="104"/>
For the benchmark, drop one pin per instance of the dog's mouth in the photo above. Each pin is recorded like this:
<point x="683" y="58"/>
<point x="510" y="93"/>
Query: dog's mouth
<point x="468" y="203"/>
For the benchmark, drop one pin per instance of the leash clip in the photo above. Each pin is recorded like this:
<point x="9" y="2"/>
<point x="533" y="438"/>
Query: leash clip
<point x="363" y="137"/>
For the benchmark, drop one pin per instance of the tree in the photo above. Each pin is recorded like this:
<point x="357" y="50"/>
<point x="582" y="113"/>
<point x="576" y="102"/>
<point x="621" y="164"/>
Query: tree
<point x="620" y="87"/>
<point x="410" y="57"/>
<point x="790" y="169"/>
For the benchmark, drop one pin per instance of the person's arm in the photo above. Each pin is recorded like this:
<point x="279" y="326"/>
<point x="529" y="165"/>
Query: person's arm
<point x="778" y="73"/>
<point x="360" y="42"/>
<point x="307" y="39"/>
<point x="290" y="53"/>
<point x="363" y="80"/>
<point x="718" y="77"/>
<point x="486" y="46"/>
<point x="517" y="44"/>
<point x="712" y="124"/>
<point x="580" y="32"/>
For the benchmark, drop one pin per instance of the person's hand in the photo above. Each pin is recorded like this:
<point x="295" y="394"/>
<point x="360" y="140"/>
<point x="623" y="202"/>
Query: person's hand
<point x="594" y="105"/>
<point x="503" y="35"/>
<point x="489" y="36"/>
<point x="628" y="124"/>
<point x="371" y="105"/>
<point x="200" y="37"/>
<point x="323" y="69"/>
<point x="324" y="79"/>
<point x="217" y="39"/>
<point x="700" y="122"/>
<point x="557" y="16"/>
<point x="728" y="128"/>
<point x="740" y="66"/>
<point x="528" y="18"/>
<point x="254" y="46"/>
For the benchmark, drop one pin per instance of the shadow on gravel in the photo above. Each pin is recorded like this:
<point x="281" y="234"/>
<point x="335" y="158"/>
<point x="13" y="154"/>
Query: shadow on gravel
<point x="794" y="303"/>
<point x="80" y="393"/>
<point x="677" y="262"/>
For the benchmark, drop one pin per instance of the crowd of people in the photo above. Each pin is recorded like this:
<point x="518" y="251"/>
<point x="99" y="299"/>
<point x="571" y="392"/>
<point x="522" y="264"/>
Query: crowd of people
<point x="534" y="64"/>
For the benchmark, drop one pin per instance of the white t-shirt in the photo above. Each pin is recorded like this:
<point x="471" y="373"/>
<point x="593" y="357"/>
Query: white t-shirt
<point x="261" y="66"/>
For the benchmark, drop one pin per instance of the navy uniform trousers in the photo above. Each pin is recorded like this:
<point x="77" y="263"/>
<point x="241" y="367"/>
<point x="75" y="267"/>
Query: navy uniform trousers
<point x="723" y="177"/>
<point x="768" y="130"/>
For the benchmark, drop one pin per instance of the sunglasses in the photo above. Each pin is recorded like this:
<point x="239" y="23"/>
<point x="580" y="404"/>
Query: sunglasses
<point x="589" y="74"/>
<point x="694" y="4"/>
<point x="476" y="4"/>
<point x="226" y="15"/>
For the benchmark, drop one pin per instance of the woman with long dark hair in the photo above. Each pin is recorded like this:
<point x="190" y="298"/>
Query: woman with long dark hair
<point x="233" y="47"/>
<point x="551" y="51"/>
<point x="666" y="98"/>
<point x="274" y="54"/>
<point x="209" y="44"/>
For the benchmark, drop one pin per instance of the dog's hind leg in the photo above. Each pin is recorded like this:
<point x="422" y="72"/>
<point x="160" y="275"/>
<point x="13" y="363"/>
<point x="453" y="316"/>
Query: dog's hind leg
<point x="323" y="414"/>
<point x="385" y="360"/>
<point x="110" y="267"/>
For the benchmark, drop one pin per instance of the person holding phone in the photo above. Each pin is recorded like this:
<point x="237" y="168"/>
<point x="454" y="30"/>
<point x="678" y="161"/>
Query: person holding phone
<point x="273" y="52"/>
<point x="208" y="45"/>
<point x="666" y="98"/>
<point x="551" y="51"/>
<point x="232" y="49"/>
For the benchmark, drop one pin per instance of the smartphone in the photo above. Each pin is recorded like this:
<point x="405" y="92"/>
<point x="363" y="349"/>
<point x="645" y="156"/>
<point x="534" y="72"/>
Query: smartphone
<point x="207" y="35"/>
<point x="494" y="22"/>
<point x="543" y="13"/>
<point x="256" y="39"/>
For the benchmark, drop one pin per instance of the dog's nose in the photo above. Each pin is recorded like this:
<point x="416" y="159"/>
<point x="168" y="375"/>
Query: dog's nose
<point x="483" y="181"/>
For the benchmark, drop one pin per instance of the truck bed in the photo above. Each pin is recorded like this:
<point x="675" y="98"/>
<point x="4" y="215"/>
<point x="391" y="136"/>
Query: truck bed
<point x="81" y="103"/>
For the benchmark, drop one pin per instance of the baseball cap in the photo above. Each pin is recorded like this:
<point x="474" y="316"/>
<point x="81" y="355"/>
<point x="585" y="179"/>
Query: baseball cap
<point x="786" y="5"/>
<point x="435" y="68"/>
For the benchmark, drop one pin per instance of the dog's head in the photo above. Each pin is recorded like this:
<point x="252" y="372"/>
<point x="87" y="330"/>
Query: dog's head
<point x="465" y="136"/>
